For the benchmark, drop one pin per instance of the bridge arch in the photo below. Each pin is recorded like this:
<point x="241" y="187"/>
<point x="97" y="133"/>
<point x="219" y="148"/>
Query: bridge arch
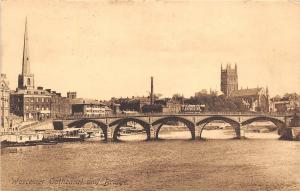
<point x="279" y="123"/>
<point x="190" y="125"/>
<point x="233" y="123"/>
<point x="120" y="122"/>
<point x="80" y="123"/>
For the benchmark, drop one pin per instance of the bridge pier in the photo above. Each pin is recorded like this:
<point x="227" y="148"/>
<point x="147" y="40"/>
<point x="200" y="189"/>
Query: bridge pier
<point x="105" y="131"/>
<point x="193" y="132"/>
<point x="110" y="131"/>
<point x="197" y="133"/>
<point x="242" y="133"/>
<point x="285" y="132"/>
<point x="152" y="132"/>
<point x="237" y="129"/>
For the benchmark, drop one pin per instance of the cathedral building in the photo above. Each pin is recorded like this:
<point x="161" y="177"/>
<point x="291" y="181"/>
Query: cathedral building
<point x="256" y="99"/>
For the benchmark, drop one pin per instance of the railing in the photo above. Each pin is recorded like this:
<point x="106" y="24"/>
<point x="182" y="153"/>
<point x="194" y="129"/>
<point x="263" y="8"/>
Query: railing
<point x="34" y="124"/>
<point x="121" y="115"/>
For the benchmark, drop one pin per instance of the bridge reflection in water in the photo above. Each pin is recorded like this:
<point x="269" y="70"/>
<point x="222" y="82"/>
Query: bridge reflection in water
<point x="153" y="123"/>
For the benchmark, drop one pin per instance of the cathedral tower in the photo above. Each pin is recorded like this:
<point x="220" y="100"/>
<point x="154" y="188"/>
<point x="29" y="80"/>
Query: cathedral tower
<point x="26" y="79"/>
<point x="229" y="80"/>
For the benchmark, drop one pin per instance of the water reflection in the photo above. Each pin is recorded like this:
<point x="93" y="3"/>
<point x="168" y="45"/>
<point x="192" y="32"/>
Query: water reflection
<point x="132" y="132"/>
<point x="159" y="165"/>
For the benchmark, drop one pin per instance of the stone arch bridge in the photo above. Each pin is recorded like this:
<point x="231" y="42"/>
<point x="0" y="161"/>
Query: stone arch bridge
<point x="152" y="123"/>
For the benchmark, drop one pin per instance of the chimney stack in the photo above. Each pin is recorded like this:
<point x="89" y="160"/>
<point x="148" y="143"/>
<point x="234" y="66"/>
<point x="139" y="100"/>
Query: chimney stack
<point x="151" y="94"/>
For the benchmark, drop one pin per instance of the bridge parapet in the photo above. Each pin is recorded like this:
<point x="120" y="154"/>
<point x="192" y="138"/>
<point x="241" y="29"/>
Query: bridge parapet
<point x="73" y="117"/>
<point x="192" y="117"/>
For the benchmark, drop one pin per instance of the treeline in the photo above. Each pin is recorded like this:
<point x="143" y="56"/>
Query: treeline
<point x="287" y="97"/>
<point x="219" y="103"/>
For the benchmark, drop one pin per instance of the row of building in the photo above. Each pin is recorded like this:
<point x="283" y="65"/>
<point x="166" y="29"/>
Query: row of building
<point x="254" y="99"/>
<point x="29" y="102"/>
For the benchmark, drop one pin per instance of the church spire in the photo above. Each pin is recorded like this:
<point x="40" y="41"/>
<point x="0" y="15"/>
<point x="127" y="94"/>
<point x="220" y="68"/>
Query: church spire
<point x="26" y="79"/>
<point x="25" y="62"/>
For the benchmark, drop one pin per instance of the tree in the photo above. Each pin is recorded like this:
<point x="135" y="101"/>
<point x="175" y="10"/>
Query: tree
<point x="292" y="96"/>
<point x="219" y="103"/>
<point x="177" y="96"/>
<point x="157" y="96"/>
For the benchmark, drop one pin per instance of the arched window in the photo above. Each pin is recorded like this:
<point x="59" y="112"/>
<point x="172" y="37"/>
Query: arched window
<point x="28" y="81"/>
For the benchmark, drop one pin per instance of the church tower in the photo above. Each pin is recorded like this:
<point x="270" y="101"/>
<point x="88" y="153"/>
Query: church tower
<point x="26" y="79"/>
<point x="229" y="80"/>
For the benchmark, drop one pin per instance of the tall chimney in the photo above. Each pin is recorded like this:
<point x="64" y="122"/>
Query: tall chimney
<point x="151" y="94"/>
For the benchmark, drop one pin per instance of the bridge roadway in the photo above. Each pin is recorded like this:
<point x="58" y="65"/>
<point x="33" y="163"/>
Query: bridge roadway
<point x="153" y="122"/>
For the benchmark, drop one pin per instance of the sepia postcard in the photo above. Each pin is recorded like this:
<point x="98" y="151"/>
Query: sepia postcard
<point x="150" y="95"/>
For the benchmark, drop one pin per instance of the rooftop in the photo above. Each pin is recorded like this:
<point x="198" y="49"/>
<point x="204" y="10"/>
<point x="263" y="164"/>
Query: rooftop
<point x="246" y="92"/>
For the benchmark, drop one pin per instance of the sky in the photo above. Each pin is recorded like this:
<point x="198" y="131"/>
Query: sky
<point x="111" y="48"/>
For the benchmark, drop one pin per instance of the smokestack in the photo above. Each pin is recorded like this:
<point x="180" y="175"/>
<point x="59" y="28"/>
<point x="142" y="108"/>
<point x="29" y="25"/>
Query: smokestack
<point x="151" y="94"/>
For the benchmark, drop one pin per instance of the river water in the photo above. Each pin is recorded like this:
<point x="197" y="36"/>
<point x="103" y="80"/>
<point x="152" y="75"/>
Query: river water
<point x="259" y="163"/>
